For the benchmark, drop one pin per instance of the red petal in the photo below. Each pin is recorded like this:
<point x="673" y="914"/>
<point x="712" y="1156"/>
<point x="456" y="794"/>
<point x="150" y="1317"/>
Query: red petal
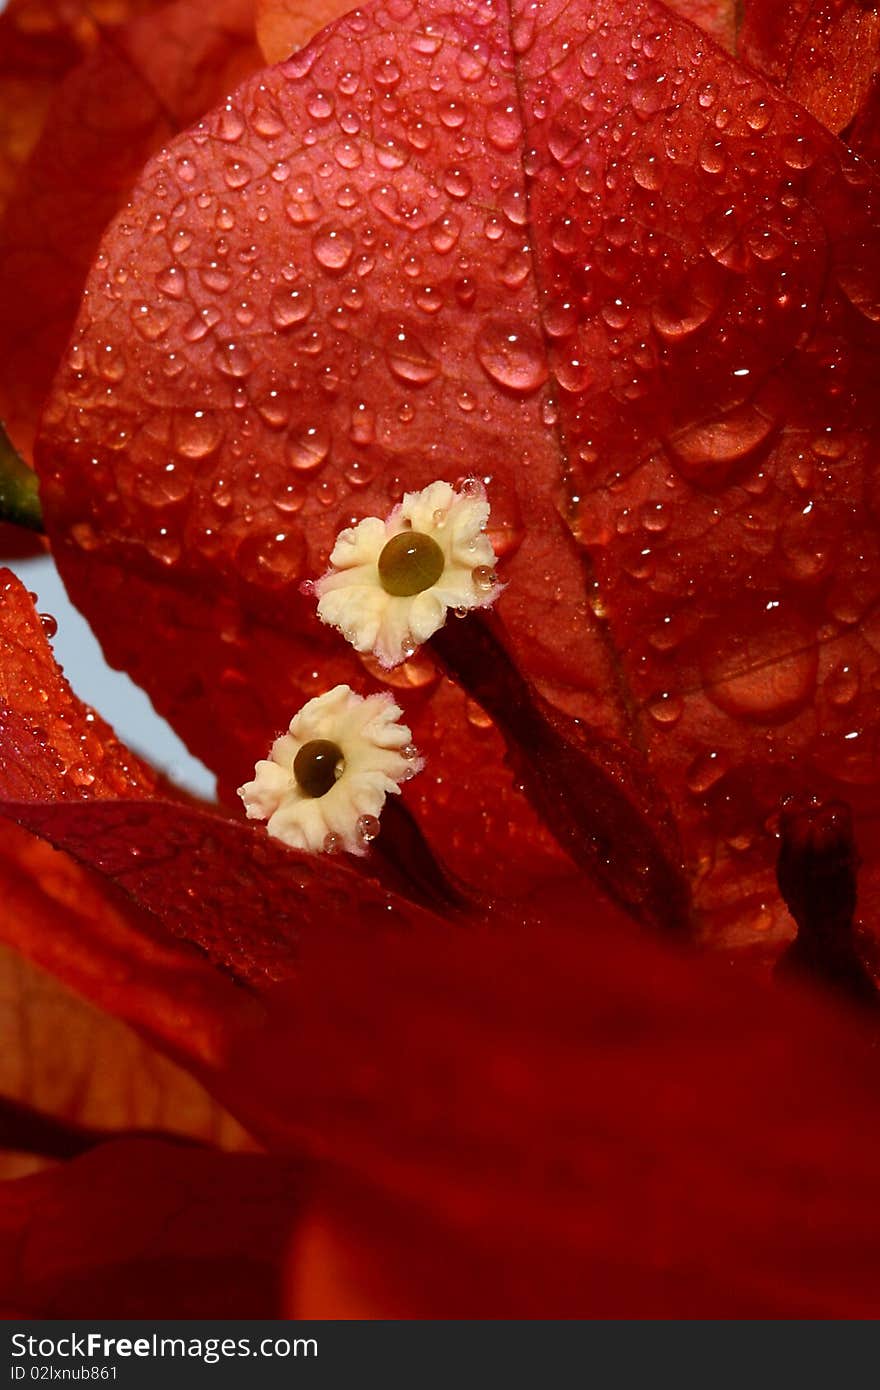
<point x="138" y="86"/>
<point x="571" y="1125"/>
<point x="824" y="53"/>
<point x="705" y="279"/>
<point x="142" y="1229"/>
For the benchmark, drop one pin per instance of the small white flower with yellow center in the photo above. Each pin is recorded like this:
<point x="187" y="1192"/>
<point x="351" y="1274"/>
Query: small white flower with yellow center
<point x="324" y="783"/>
<point x="390" y="583"/>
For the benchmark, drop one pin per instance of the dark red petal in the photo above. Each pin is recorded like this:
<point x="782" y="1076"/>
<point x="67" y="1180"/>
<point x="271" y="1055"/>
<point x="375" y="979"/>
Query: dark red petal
<point x="683" y="358"/>
<point x="140" y="1229"/>
<point x="563" y="1125"/>
<point x="137" y="84"/>
<point x="824" y="53"/>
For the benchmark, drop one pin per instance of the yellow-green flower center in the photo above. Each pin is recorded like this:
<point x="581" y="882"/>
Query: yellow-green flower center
<point x="316" y="765"/>
<point x="410" y="563"/>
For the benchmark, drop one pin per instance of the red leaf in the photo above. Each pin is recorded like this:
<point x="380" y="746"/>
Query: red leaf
<point x="138" y="85"/>
<point x="143" y="1229"/>
<point x="689" y="272"/>
<point x="573" y="1126"/>
<point x="824" y="53"/>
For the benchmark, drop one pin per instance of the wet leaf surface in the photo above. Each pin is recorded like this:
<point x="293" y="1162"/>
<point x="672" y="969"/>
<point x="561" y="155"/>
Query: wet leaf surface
<point x="663" y="322"/>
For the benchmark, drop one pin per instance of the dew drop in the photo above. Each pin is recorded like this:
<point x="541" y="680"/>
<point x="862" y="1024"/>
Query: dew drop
<point x="760" y="661"/>
<point x="445" y="233"/>
<point x="708" y="450"/>
<point x="408" y="358"/>
<point x="665" y="709"/>
<point x="842" y="685"/>
<point x="289" y="307"/>
<point x="511" y="355"/>
<point x="860" y="282"/>
<point x="171" y="282"/>
<point x="362" y="429"/>
<point x="308" y="449"/>
<point x="457" y="182"/>
<point x="197" y="434"/>
<point x="230" y="126"/>
<point x="271" y="560"/>
<point x="503" y="127"/>
<point x="368" y="829"/>
<point x="333" y="247"/>
<point x="705" y="770"/>
<point x="302" y="206"/>
<point x="215" y="276"/>
<point x="484" y="578"/>
<point x="477" y="716"/>
<point x="233" y="360"/>
<point x="274" y="408"/>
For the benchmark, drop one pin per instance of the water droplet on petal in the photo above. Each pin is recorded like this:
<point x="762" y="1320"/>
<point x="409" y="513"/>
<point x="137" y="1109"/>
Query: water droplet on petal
<point x="503" y="127"/>
<point x="707" y="451"/>
<point x="511" y="354"/>
<point x="289" y="307"/>
<point x="705" y="770"/>
<point x="333" y="247"/>
<point x="230" y="125"/>
<point x="196" y="434"/>
<point x="363" y="425"/>
<point x="368" y="829"/>
<point x="308" y="449"/>
<point x="171" y="281"/>
<point x="408" y="358"/>
<point x="665" y="709"/>
<point x="759" y="661"/>
<point x="233" y="360"/>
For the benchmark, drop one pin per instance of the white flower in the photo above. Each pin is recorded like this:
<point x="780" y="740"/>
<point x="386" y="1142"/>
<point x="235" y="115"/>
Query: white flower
<point x="324" y="783"/>
<point x="391" y="582"/>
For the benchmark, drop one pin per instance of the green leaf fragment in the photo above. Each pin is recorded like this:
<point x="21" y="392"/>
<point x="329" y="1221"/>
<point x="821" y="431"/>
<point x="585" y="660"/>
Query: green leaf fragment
<point x="19" y="489"/>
